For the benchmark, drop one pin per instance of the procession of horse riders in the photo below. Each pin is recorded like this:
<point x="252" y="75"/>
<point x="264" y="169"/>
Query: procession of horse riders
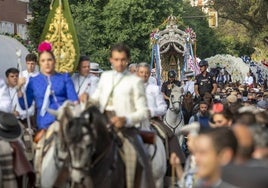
<point x="118" y="128"/>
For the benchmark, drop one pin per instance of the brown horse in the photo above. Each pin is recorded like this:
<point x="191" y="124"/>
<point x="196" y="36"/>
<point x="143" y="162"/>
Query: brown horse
<point x="187" y="106"/>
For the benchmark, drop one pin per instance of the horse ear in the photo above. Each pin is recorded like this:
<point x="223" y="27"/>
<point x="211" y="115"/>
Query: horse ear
<point x="53" y="112"/>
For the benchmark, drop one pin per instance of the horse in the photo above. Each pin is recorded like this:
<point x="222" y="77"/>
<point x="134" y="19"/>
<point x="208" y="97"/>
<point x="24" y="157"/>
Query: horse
<point x="93" y="149"/>
<point x="174" y="116"/>
<point x="187" y="106"/>
<point x="83" y="152"/>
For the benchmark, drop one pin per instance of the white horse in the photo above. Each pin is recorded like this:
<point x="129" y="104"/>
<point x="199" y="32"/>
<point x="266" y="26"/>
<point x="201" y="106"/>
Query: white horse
<point x="50" y="159"/>
<point x="158" y="156"/>
<point x="174" y="116"/>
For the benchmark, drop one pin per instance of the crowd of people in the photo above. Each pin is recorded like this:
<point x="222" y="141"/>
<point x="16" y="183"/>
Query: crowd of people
<point x="225" y="139"/>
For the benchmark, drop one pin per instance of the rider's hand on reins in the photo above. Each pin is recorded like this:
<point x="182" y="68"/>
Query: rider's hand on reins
<point x="118" y="122"/>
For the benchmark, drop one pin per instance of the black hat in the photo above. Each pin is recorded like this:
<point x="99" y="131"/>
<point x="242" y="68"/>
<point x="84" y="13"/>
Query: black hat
<point x="172" y="74"/>
<point x="203" y="63"/>
<point x="10" y="129"/>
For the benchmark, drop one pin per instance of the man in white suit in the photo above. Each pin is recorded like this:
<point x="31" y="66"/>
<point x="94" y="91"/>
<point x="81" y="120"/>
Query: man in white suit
<point x="121" y="92"/>
<point x="121" y="96"/>
<point x="84" y="82"/>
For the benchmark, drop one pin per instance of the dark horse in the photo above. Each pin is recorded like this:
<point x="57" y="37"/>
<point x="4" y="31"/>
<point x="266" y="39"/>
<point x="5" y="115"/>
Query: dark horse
<point x="95" y="153"/>
<point x="187" y="106"/>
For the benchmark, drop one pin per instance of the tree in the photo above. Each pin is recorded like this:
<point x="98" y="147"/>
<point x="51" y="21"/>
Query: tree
<point x="207" y="40"/>
<point x="250" y="15"/>
<point x="40" y="9"/>
<point x="103" y="23"/>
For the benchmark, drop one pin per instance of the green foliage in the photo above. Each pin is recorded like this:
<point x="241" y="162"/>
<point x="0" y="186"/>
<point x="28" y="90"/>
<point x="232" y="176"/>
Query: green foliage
<point x="207" y="41"/>
<point x="103" y="23"/>
<point x="250" y="28"/>
<point x="40" y="10"/>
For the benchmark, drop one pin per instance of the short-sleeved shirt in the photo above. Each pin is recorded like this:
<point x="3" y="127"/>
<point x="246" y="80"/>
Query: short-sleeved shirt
<point x="205" y="83"/>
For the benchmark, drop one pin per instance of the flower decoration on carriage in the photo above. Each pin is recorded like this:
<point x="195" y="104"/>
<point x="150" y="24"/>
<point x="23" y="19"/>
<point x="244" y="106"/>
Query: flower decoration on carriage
<point x="190" y="34"/>
<point x="154" y="36"/>
<point x="44" y="46"/>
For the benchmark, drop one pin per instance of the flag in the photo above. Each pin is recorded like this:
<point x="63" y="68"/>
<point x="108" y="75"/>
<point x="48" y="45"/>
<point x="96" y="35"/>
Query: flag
<point x="59" y="30"/>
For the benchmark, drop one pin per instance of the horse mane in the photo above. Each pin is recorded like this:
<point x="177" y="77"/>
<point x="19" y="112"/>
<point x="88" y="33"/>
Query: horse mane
<point x="91" y="119"/>
<point x="98" y="123"/>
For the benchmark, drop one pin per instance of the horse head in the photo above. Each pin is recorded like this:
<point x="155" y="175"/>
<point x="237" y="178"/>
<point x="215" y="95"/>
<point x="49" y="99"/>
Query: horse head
<point x="175" y="99"/>
<point x="74" y="137"/>
<point x="85" y="135"/>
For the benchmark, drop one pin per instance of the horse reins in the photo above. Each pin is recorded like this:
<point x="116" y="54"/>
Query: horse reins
<point x="172" y="109"/>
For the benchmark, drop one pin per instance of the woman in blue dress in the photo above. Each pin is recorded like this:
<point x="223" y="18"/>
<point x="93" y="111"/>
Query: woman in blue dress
<point x="49" y="89"/>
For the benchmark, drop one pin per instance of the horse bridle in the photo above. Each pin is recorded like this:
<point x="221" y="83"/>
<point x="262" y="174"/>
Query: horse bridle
<point x="172" y="108"/>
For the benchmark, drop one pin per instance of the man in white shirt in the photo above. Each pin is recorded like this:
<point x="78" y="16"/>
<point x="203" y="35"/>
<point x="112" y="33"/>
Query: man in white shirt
<point x="249" y="80"/>
<point x="12" y="75"/>
<point x="84" y="82"/>
<point x="31" y="62"/>
<point x="157" y="108"/>
<point x="189" y="85"/>
<point x="121" y="96"/>
<point x="155" y="100"/>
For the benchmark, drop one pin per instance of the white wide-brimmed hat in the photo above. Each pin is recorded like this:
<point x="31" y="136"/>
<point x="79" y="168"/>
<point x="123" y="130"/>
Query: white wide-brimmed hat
<point x="95" y="68"/>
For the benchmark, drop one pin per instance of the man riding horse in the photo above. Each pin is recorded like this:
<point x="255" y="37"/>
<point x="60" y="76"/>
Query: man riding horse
<point x="120" y="95"/>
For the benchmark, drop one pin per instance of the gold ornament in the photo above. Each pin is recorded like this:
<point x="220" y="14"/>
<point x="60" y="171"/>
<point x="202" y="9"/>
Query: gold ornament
<point x="63" y="47"/>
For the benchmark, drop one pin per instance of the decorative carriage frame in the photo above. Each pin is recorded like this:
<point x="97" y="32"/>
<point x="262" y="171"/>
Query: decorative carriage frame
<point x="172" y="48"/>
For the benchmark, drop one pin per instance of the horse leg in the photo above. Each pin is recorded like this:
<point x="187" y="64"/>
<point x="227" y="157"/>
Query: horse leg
<point x="38" y="160"/>
<point x="158" y="162"/>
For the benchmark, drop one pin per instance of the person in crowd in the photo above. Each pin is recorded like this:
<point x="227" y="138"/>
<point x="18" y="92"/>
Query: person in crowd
<point x="31" y="62"/>
<point x="189" y="84"/>
<point x="12" y="75"/>
<point x="168" y="85"/>
<point x="214" y="148"/>
<point x="13" y="163"/>
<point x="221" y="79"/>
<point x="84" y="82"/>
<point x="202" y="116"/>
<point x="204" y="82"/>
<point x="262" y="105"/>
<point x="95" y="69"/>
<point x="260" y="135"/>
<point x="48" y="89"/>
<point x="155" y="101"/>
<point x="157" y="108"/>
<point x="187" y="175"/>
<point x="221" y="116"/>
<point x="248" y="81"/>
<point x="249" y="168"/>
<point x="5" y="104"/>
<point x="153" y="78"/>
<point x="124" y="104"/>
<point x="132" y="68"/>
